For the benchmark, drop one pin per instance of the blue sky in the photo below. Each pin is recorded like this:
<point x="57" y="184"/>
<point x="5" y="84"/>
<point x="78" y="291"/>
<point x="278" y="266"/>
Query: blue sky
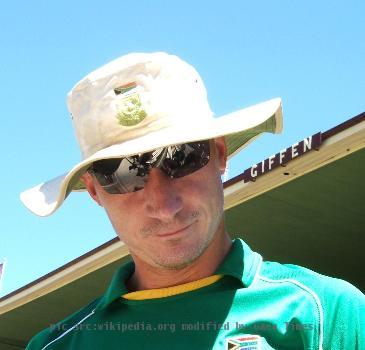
<point x="311" y="53"/>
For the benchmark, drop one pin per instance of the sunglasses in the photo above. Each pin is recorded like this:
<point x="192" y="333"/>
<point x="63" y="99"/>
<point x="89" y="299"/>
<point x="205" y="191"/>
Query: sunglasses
<point x="126" y="175"/>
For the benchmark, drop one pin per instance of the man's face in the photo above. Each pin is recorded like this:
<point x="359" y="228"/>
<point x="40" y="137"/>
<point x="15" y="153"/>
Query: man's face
<point x="170" y="222"/>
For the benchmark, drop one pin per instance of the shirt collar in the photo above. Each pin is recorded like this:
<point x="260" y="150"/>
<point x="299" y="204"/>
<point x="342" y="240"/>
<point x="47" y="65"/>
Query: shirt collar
<point x="241" y="263"/>
<point x="117" y="286"/>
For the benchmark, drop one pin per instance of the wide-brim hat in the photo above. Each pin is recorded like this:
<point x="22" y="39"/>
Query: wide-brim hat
<point x="140" y="102"/>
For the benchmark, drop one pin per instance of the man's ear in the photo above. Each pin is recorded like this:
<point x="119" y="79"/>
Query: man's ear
<point x="89" y="182"/>
<point x="221" y="153"/>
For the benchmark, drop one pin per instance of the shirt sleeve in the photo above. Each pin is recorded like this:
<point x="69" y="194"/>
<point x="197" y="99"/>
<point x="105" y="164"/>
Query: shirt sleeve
<point x="344" y="317"/>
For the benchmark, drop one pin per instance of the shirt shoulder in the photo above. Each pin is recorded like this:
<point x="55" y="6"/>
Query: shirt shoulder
<point x="58" y="331"/>
<point x="47" y="336"/>
<point x="341" y="305"/>
<point x="322" y="285"/>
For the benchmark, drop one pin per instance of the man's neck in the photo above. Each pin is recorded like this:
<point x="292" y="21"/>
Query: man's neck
<point x="151" y="277"/>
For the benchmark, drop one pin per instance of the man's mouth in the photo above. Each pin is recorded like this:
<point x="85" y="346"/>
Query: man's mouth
<point x="173" y="232"/>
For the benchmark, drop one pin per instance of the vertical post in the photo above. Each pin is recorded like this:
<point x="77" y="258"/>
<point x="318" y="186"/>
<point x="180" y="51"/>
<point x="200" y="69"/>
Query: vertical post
<point x="2" y="269"/>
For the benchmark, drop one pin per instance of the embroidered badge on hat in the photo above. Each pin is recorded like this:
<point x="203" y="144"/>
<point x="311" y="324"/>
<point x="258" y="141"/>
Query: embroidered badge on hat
<point x="129" y="108"/>
<point x="247" y="342"/>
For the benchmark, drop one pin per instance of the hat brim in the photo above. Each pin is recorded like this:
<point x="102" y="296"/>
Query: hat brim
<point x="239" y="128"/>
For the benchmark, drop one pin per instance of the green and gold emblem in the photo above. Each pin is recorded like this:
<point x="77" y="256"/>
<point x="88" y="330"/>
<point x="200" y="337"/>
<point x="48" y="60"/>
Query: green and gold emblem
<point x="129" y="109"/>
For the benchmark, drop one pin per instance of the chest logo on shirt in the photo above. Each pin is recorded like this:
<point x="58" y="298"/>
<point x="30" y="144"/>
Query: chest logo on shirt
<point x="247" y="342"/>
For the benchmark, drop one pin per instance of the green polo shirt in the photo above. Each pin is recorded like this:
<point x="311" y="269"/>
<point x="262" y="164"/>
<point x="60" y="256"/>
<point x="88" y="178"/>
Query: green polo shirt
<point x="249" y="304"/>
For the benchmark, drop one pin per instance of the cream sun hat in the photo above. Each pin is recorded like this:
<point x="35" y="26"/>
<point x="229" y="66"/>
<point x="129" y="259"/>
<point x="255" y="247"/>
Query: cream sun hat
<point x="140" y="102"/>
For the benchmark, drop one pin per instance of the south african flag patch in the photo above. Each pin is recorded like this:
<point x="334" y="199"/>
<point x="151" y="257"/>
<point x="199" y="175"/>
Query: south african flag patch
<point x="246" y="342"/>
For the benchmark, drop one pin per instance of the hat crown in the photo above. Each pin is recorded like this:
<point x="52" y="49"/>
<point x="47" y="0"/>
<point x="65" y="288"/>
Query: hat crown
<point x="135" y="95"/>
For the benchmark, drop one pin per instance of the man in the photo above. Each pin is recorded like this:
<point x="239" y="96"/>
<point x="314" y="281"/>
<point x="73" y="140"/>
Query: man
<point x="153" y="157"/>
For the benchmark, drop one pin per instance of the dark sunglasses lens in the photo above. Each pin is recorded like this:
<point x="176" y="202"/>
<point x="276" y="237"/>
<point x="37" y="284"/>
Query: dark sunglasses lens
<point x="118" y="176"/>
<point x="187" y="158"/>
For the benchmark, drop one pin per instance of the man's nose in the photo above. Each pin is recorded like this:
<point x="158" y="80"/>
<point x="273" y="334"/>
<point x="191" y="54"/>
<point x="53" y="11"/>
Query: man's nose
<point x="162" y="200"/>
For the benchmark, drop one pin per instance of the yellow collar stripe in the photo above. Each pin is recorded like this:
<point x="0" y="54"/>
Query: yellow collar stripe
<point x="170" y="291"/>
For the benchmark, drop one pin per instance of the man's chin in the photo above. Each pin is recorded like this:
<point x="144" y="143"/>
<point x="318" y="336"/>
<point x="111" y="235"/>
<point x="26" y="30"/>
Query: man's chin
<point x="178" y="257"/>
<point x="175" y="264"/>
